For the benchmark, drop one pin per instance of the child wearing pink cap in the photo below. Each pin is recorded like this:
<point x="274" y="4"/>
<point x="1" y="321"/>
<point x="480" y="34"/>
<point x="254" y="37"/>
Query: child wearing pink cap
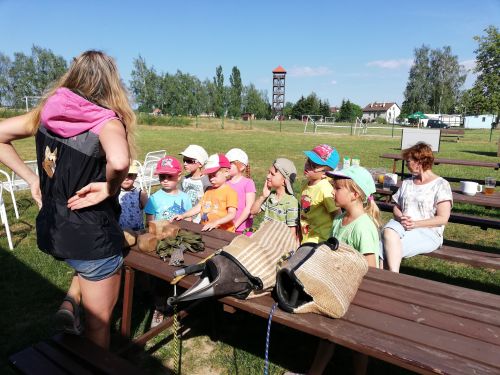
<point x="220" y="201"/>
<point x="169" y="200"/>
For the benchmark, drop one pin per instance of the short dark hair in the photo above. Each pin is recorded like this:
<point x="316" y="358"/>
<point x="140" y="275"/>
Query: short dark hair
<point x="422" y="153"/>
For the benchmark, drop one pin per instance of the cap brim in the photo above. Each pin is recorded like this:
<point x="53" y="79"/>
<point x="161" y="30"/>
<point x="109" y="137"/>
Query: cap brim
<point x="211" y="170"/>
<point x="168" y="171"/>
<point x="337" y="174"/>
<point x="315" y="158"/>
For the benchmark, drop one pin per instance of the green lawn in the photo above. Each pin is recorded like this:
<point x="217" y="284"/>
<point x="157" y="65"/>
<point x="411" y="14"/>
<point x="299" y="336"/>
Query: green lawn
<point x="33" y="284"/>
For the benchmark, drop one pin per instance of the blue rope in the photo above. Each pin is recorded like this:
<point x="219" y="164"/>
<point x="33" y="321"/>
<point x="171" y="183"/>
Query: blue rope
<point x="268" y="335"/>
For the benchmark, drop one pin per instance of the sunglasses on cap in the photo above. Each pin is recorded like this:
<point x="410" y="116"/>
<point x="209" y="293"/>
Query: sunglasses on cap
<point x="131" y="176"/>
<point x="189" y="161"/>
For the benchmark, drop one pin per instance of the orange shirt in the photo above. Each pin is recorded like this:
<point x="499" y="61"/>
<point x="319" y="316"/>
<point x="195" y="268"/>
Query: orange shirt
<point x="215" y="203"/>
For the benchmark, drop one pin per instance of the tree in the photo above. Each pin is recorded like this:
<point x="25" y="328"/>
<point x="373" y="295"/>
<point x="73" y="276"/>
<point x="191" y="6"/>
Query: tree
<point x="147" y="87"/>
<point x="484" y="97"/>
<point x="235" y="93"/>
<point x="219" y="97"/>
<point x="418" y="86"/>
<point x="349" y="111"/>
<point x="446" y="78"/>
<point x="48" y="68"/>
<point x="5" y="95"/>
<point x="288" y="109"/>
<point x="255" y="101"/>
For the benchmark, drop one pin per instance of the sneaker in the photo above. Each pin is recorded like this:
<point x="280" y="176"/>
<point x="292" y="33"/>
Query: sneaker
<point x="157" y="318"/>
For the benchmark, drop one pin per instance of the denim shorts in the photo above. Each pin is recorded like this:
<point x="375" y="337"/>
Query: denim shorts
<point x="97" y="269"/>
<point x="415" y="241"/>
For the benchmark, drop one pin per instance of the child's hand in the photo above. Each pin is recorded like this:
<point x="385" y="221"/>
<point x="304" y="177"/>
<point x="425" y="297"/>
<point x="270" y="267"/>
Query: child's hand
<point x="177" y="218"/>
<point x="210" y="226"/>
<point x="265" y="190"/>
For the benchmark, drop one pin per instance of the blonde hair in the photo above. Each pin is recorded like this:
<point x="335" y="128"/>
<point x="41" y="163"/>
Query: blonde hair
<point x="94" y="76"/>
<point x="369" y="205"/>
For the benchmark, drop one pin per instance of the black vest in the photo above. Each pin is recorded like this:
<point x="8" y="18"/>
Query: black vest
<point x="66" y="165"/>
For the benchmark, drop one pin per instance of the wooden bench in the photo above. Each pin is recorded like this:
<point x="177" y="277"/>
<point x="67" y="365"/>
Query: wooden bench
<point x="460" y="255"/>
<point x="417" y="324"/>
<point x="453" y="133"/>
<point x="69" y="354"/>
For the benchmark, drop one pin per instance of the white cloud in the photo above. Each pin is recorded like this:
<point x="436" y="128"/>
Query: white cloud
<point x="307" y="71"/>
<point x="333" y="82"/>
<point x="391" y="64"/>
<point x="469" y="64"/>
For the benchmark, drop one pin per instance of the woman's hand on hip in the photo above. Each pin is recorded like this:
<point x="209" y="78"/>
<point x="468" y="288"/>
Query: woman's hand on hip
<point x="89" y="195"/>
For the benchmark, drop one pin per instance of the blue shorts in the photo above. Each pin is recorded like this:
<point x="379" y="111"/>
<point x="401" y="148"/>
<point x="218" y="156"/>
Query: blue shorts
<point x="97" y="269"/>
<point x="415" y="241"/>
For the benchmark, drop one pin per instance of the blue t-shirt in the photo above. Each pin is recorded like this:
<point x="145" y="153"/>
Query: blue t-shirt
<point x="164" y="206"/>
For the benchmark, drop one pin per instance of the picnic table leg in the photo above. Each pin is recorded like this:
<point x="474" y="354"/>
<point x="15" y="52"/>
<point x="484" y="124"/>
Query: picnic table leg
<point x="128" y="296"/>
<point x="394" y="166"/>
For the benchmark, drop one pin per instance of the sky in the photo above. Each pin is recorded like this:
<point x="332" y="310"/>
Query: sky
<point x="356" y="50"/>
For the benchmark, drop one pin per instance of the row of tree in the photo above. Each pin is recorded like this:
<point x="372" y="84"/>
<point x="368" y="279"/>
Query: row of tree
<point x="436" y="78"/>
<point x="28" y="75"/>
<point x="185" y="94"/>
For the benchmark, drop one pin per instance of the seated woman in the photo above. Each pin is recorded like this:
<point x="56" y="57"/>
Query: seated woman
<point x="423" y="206"/>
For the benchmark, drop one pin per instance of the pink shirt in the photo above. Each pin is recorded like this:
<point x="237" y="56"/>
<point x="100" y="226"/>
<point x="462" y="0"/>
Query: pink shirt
<point x="242" y="187"/>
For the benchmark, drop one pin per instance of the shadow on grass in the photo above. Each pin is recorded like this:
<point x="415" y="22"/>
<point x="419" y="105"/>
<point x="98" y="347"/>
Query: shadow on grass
<point x="28" y="302"/>
<point x="486" y="249"/>
<point x="451" y="279"/>
<point x="483" y="153"/>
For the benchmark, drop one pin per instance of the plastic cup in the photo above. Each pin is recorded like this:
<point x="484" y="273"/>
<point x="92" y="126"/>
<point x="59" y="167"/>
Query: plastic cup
<point x="489" y="185"/>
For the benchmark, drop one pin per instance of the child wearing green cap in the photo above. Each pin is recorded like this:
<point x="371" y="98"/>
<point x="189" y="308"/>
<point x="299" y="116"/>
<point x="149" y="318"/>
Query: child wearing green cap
<point x="356" y="226"/>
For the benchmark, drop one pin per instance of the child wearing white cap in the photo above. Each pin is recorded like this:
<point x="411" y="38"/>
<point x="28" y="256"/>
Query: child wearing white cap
<point x="219" y="203"/>
<point x="244" y="187"/>
<point x="194" y="183"/>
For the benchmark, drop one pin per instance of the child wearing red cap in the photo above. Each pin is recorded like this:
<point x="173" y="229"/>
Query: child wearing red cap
<point x="169" y="201"/>
<point x="220" y="201"/>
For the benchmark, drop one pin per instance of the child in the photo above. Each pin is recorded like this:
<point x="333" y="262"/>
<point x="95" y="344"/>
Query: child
<point x="195" y="183"/>
<point x="317" y="205"/>
<point x="356" y="226"/>
<point x="244" y="187"/>
<point x="219" y="203"/>
<point x="168" y="201"/>
<point x="277" y="200"/>
<point x="164" y="205"/>
<point x="132" y="201"/>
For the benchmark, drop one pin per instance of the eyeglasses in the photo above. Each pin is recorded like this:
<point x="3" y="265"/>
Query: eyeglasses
<point x="189" y="161"/>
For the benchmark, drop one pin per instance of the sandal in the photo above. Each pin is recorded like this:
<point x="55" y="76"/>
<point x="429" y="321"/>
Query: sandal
<point x="69" y="321"/>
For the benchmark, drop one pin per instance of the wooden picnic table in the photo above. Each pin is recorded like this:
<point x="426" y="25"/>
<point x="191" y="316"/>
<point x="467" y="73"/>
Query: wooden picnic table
<point x="480" y="199"/>
<point x="421" y="325"/>
<point x="438" y="161"/>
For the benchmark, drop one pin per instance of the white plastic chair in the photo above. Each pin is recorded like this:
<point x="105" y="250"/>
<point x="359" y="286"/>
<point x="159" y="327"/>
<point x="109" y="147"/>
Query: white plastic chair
<point x="15" y="183"/>
<point x="18" y="182"/>
<point x="147" y="178"/>
<point x="154" y="155"/>
<point x="3" y="217"/>
<point x="7" y="185"/>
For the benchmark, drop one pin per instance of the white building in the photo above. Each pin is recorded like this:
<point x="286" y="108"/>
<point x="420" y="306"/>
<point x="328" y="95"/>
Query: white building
<point x="479" y="121"/>
<point x="389" y="111"/>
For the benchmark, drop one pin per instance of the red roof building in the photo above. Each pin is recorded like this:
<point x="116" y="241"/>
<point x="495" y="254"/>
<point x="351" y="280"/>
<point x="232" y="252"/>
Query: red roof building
<point x="279" y="69"/>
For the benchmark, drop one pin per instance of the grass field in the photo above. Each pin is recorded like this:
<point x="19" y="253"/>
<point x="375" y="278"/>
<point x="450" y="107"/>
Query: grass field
<point x="33" y="284"/>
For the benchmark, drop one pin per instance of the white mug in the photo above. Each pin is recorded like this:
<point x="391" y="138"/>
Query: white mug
<point x="470" y="187"/>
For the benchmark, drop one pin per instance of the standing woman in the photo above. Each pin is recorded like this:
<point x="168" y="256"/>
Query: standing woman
<point x="83" y="132"/>
<point x="423" y="206"/>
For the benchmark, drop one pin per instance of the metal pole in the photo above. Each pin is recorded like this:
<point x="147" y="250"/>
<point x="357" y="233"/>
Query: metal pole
<point x="26" y="100"/>
<point x="392" y="135"/>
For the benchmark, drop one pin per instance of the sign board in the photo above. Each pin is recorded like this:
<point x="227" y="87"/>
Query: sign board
<point x="411" y="137"/>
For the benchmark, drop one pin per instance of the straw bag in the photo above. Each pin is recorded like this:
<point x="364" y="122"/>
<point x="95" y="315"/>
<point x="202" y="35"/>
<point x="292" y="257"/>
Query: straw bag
<point x="245" y="268"/>
<point x="320" y="278"/>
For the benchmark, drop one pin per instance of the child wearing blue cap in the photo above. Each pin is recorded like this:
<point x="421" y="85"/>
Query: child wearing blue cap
<point x="317" y="204"/>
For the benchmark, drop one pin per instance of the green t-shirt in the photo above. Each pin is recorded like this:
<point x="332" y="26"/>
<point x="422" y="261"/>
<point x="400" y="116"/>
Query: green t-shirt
<point x="317" y="207"/>
<point x="361" y="234"/>
<point x="286" y="210"/>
